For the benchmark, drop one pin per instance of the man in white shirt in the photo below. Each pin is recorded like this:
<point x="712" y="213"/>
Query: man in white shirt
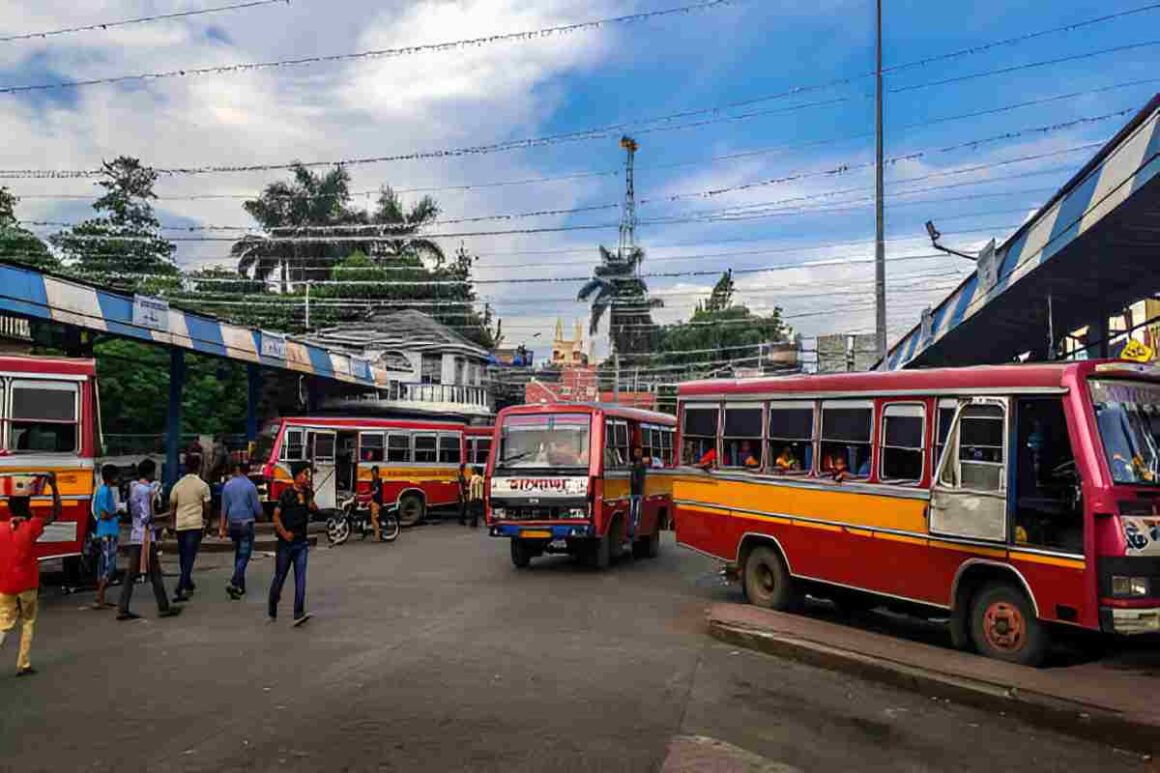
<point x="189" y="505"/>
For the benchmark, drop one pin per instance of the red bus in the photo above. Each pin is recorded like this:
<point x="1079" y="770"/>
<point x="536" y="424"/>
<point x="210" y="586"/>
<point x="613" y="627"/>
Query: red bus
<point x="49" y="423"/>
<point x="559" y="481"/>
<point x="1017" y="500"/>
<point x="418" y="460"/>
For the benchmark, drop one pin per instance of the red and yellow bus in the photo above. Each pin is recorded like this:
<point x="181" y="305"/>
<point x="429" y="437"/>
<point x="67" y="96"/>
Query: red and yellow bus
<point x="1015" y="499"/>
<point x="559" y="477"/>
<point x="418" y="461"/>
<point x="49" y="423"/>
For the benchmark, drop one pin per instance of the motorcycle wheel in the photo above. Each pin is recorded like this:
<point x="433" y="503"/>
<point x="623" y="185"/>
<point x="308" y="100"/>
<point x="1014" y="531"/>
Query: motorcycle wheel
<point x="337" y="529"/>
<point x="389" y="528"/>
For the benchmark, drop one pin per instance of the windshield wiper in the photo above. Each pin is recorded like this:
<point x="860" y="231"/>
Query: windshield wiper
<point x="516" y="458"/>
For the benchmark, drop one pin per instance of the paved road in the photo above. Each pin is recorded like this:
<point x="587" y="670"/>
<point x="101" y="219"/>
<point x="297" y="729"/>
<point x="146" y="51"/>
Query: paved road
<point x="435" y="654"/>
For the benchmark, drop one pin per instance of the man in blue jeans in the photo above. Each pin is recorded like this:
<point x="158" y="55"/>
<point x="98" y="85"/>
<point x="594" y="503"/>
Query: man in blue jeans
<point x="240" y="508"/>
<point x="291" y="518"/>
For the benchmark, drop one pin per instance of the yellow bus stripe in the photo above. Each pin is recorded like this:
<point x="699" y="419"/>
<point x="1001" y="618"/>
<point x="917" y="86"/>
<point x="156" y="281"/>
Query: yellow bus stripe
<point x="900" y="538"/>
<point x="1070" y="563"/>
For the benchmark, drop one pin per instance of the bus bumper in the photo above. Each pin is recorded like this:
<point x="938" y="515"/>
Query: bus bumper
<point x="549" y="532"/>
<point x="1130" y="621"/>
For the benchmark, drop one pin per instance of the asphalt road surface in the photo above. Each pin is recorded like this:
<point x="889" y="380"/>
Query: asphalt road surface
<point x="434" y="653"/>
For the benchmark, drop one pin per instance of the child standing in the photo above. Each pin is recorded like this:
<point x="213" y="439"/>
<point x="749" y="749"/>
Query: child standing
<point x="108" y="532"/>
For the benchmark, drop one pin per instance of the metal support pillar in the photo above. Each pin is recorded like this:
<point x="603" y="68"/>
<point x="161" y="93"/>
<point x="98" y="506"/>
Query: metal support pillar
<point x="173" y="421"/>
<point x="253" y="396"/>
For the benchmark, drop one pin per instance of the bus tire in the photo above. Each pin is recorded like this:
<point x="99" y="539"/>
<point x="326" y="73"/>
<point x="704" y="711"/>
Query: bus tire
<point x="412" y="510"/>
<point x="521" y="553"/>
<point x="615" y="539"/>
<point x="1004" y="625"/>
<point x="766" y="580"/>
<point x="601" y="555"/>
<point x="647" y="547"/>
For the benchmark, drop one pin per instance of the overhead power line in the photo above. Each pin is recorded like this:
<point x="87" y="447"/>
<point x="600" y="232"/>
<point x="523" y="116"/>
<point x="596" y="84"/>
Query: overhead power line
<point x="139" y="20"/>
<point x="383" y="53"/>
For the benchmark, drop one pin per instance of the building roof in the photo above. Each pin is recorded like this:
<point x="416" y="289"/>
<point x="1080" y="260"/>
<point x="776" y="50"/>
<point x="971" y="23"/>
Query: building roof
<point x="409" y="329"/>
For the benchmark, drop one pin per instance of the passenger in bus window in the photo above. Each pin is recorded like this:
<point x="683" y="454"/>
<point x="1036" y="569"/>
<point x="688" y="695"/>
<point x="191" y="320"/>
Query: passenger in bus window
<point x="708" y="459"/>
<point x="748" y="459"/>
<point x="838" y="469"/>
<point x="787" y="461"/>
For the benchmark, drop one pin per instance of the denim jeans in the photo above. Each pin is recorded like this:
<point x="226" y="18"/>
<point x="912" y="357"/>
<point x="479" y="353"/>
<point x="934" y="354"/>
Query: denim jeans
<point x="289" y="553"/>
<point x="243" y="536"/>
<point x="188" y="541"/>
<point x="634" y="504"/>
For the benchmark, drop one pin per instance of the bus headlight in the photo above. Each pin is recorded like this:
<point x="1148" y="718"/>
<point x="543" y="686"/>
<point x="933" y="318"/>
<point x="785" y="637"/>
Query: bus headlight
<point x="498" y="512"/>
<point x="1129" y="586"/>
<point x="576" y="512"/>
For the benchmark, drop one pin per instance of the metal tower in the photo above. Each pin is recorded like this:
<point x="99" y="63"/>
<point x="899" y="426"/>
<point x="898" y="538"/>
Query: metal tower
<point x="628" y="216"/>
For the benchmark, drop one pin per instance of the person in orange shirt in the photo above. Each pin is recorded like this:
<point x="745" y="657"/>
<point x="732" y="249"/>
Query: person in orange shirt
<point x="749" y="460"/>
<point x="19" y="570"/>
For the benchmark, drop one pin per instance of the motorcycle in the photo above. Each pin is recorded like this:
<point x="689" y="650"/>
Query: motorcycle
<point x="354" y="514"/>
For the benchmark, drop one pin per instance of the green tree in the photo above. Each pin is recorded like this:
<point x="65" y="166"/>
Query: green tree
<point x="718" y="331"/>
<point x="399" y="238"/>
<point x="617" y="289"/>
<point x="18" y="244"/>
<point x="123" y="245"/>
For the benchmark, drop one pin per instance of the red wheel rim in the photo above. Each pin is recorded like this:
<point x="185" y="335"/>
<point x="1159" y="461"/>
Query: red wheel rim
<point x="1004" y="626"/>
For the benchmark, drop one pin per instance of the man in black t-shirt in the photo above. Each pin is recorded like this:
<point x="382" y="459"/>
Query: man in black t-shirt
<point x="636" y="488"/>
<point x="291" y="519"/>
<point x="376" y="501"/>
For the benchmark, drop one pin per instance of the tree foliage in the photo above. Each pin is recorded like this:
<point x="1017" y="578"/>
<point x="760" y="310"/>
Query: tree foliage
<point x="122" y="246"/>
<point x="18" y="244"/>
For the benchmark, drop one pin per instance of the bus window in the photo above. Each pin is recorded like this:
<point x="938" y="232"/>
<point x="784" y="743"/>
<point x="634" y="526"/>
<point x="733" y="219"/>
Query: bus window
<point x="398" y="447"/>
<point x="43" y="417"/>
<point x="371" y="447"/>
<point x="946" y="415"/>
<point x="294" y="446"/>
<point x="742" y="437"/>
<point x="846" y="427"/>
<point x="699" y="432"/>
<point x="426" y="451"/>
<point x="667" y="446"/>
<point x="975" y="460"/>
<point x="482" y="450"/>
<point x="791" y="436"/>
<point x="903" y="433"/>
<point x="449" y="449"/>
<point x="1048" y="511"/>
<point x="616" y="444"/>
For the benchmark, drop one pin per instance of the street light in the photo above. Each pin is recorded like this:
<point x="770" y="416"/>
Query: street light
<point x="935" y="235"/>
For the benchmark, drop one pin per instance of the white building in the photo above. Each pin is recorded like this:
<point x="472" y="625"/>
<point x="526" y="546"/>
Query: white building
<point x="432" y="370"/>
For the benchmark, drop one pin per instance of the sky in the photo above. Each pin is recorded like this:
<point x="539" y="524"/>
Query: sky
<point x="766" y="168"/>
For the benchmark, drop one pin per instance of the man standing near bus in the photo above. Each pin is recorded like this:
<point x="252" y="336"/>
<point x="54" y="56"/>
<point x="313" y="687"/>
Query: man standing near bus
<point x="463" y="494"/>
<point x="376" y="502"/>
<point x="143" y="557"/>
<point x="240" y="509"/>
<point x="636" y="488"/>
<point x="475" y="494"/>
<point x="108" y="532"/>
<point x="19" y="569"/>
<point x="291" y="519"/>
<point x="188" y="506"/>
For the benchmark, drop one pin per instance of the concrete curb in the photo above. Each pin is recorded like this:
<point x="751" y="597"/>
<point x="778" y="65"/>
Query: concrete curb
<point x="1071" y="717"/>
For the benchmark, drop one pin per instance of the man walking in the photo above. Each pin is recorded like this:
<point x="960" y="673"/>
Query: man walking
<point x="188" y="506"/>
<point x="19" y="570"/>
<point x="108" y="532"/>
<point x="143" y="558"/>
<point x="291" y="518"/>
<point x="240" y="508"/>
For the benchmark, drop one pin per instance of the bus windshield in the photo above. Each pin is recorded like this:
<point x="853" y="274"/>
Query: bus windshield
<point x="1128" y="418"/>
<point x="265" y="443"/>
<point x="545" y="440"/>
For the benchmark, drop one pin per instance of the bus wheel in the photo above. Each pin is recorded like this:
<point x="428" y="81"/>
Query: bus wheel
<point x="647" y="547"/>
<point x="600" y="553"/>
<point x="521" y="553"/>
<point x="1004" y="626"/>
<point x="766" y="580"/>
<point x="411" y="509"/>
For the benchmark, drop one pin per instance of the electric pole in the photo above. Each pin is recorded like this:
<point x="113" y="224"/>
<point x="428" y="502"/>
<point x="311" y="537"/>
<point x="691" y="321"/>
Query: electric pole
<point x="879" y="196"/>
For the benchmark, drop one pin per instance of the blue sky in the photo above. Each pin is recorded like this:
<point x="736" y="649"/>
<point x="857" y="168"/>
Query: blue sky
<point x="621" y="73"/>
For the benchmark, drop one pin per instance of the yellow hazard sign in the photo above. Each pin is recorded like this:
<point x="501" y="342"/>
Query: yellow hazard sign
<point x="1137" y="352"/>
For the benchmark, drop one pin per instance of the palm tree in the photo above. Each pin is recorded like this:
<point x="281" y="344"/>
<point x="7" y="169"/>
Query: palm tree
<point x="402" y="225"/>
<point x="298" y="207"/>
<point x="616" y="288"/>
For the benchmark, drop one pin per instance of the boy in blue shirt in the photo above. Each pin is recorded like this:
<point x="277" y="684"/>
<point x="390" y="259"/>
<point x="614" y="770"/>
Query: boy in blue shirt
<point x="108" y="532"/>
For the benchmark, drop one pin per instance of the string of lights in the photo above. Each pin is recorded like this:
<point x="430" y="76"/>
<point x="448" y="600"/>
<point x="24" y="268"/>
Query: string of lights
<point x="108" y="25"/>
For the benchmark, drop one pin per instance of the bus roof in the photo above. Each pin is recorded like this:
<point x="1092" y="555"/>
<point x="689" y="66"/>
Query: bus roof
<point x="374" y="422"/>
<point x="1051" y="375"/>
<point x="608" y="409"/>
<point x="72" y="366"/>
